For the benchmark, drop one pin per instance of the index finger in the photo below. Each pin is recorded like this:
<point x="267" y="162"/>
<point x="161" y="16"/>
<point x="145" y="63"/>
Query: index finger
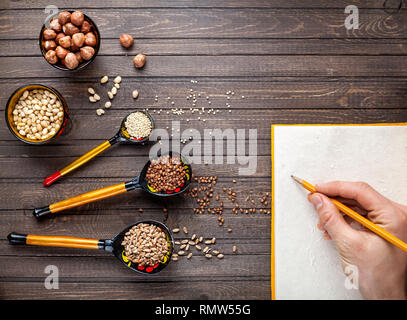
<point x="362" y="192"/>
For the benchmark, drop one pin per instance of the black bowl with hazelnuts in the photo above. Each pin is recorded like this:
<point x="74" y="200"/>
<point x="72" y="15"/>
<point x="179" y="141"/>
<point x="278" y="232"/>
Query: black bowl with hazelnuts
<point x="70" y="42"/>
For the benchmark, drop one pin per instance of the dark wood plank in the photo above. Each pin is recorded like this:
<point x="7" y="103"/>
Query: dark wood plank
<point x="108" y="267"/>
<point x="218" y="47"/>
<point x="295" y="94"/>
<point x="16" y="149"/>
<point x="229" y="289"/>
<point x="87" y="125"/>
<point x="102" y="167"/>
<point x="30" y="195"/>
<point x="206" y="66"/>
<point x="218" y="23"/>
<point x="289" y="4"/>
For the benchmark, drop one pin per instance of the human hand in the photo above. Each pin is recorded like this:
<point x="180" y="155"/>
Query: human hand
<point x="382" y="266"/>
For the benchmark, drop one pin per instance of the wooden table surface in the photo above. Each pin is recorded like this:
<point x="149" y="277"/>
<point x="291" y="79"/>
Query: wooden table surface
<point x="294" y="61"/>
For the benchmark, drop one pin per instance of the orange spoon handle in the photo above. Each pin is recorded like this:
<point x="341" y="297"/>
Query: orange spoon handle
<point x="55" y="241"/>
<point x="80" y="161"/>
<point x="82" y="199"/>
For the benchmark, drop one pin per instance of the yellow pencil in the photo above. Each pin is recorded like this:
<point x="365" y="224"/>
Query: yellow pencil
<point x="357" y="217"/>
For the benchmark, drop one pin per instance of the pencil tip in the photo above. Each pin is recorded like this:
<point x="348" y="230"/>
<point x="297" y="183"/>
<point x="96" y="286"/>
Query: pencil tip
<point x="296" y="179"/>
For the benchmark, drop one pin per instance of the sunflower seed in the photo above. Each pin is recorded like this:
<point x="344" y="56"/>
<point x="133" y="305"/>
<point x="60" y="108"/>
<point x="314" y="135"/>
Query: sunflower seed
<point x="208" y="256"/>
<point x="185" y="230"/>
<point x="176" y="230"/>
<point x="220" y="256"/>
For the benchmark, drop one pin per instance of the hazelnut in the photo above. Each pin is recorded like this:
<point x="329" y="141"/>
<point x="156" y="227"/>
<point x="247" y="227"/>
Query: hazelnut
<point x="87" y="52"/>
<point x="55" y="25"/>
<point x="69" y="29"/>
<point x="70" y="61"/>
<point x="59" y="36"/>
<point x="78" y="56"/>
<point x="50" y="45"/>
<point x="65" y="42"/>
<point x="126" y="40"/>
<point x="90" y="39"/>
<point x="61" y="52"/>
<point x="85" y="27"/>
<point x="64" y="17"/>
<point x="139" y="60"/>
<point x="77" y="18"/>
<point x="49" y="34"/>
<point x="78" y="39"/>
<point x="74" y="47"/>
<point x="51" y="57"/>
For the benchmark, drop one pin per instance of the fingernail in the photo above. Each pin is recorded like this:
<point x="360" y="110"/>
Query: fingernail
<point x="316" y="201"/>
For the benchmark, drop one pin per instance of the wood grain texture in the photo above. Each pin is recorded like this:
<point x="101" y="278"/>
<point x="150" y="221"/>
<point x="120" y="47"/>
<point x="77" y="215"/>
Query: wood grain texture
<point x="218" y="23"/>
<point x="294" y="62"/>
<point x="259" y="94"/>
<point x="206" y="66"/>
<point x="287" y="4"/>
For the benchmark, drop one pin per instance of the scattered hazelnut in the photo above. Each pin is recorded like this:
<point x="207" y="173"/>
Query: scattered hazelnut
<point x="64" y="17"/>
<point x="87" y="52"/>
<point x="70" y="61"/>
<point x="77" y="18"/>
<point x="55" y="25"/>
<point x="139" y="60"/>
<point x="49" y="34"/>
<point x="69" y="29"/>
<point x="50" y="45"/>
<point x="51" y="57"/>
<point x="61" y="52"/>
<point x="78" y="39"/>
<point x="126" y="40"/>
<point x="90" y="39"/>
<point x="85" y="27"/>
<point x="65" y="42"/>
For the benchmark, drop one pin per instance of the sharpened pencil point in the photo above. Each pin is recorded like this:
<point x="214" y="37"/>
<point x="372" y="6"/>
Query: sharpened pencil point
<point x="296" y="179"/>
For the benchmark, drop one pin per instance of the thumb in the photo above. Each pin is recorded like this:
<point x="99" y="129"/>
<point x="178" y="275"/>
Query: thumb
<point x="332" y="220"/>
